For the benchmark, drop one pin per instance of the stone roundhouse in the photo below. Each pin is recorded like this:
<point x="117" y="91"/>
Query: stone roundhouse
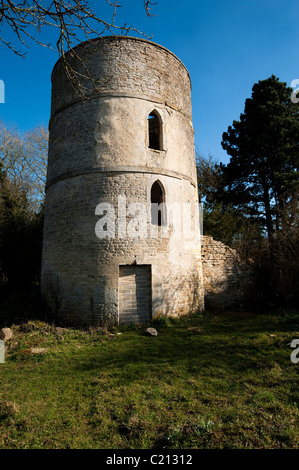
<point x="109" y="254"/>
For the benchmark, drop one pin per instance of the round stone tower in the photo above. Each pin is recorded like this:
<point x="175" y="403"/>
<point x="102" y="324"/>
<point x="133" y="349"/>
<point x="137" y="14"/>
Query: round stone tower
<point x="121" y="232"/>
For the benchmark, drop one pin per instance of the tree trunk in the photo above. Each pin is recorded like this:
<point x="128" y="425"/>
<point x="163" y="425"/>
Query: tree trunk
<point x="269" y="222"/>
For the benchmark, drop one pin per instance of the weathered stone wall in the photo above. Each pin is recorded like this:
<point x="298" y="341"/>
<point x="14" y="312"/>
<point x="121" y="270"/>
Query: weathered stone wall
<point x="84" y="269"/>
<point x="123" y="66"/>
<point x="133" y="77"/>
<point x="227" y="281"/>
<point x="98" y="150"/>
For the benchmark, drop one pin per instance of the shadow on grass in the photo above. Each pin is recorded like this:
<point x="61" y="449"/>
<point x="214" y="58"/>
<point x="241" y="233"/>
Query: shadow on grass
<point x="227" y="345"/>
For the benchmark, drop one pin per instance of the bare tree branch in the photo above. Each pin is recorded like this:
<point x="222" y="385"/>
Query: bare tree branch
<point x="74" y="21"/>
<point x="148" y="5"/>
<point x="24" y="159"/>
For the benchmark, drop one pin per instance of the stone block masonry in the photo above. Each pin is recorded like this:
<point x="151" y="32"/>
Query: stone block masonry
<point x="134" y="293"/>
<point x="99" y="148"/>
<point x="228" y="282"/>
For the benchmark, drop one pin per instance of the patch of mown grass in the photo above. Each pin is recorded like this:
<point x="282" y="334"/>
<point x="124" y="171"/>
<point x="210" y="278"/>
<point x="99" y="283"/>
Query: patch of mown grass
<point x="206" y="381"/>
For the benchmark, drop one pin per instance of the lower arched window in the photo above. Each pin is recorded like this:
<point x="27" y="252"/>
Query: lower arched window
<point x="158" y="209"/>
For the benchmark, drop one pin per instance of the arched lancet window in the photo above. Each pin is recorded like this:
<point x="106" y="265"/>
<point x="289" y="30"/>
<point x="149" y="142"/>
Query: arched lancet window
<point x="158" y="217"/>
<point x="154" y="131"/>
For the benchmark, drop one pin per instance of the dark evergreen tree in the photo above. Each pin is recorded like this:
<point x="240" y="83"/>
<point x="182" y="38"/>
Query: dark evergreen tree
<point x="261" y="177"/>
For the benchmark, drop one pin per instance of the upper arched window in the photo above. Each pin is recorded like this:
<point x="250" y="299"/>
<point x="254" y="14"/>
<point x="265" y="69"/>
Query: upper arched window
<point x="154" y="131"/>
<point x="158" y="215"/>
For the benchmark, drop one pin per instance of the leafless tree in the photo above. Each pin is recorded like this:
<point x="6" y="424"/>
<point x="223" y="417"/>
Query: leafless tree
<point x="74" y="21"/>
<point x="209" y="175"/>
<point x="24" y="159"/>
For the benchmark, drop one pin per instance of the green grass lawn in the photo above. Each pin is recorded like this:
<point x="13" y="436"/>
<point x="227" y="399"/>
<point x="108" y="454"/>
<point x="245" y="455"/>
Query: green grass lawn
<point x="207" y="381"/>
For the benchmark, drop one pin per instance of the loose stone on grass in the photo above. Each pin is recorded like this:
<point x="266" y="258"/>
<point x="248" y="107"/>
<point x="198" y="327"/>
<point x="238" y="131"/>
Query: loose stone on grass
<point x="38" y="350"/>
<point x="151" y="331"/>
<point x="5" y="334"/>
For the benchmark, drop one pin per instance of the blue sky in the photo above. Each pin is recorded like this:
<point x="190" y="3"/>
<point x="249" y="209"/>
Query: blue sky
<point x="227" y="46"/>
